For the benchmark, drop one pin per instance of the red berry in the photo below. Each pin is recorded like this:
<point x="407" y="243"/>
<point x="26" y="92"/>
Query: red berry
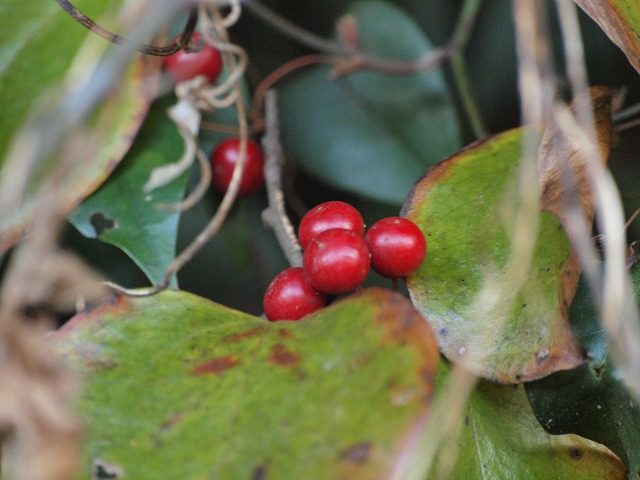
<point x="184" y="65"/>
<point x="397" y="246"/>
<point x="290" y="297"/>
<point x="336" y="261"/>
<point x="224" y="159"/>
<point x="326" y="216"/>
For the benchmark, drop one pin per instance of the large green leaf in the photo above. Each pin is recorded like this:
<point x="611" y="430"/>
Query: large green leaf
<point x="371" y="133"/>
<point x="620" y="20"/>
<point x="496" y="327"/>
<point x="591" y="400"/>
<point x="500" y="439"/>
<point x="38" y="43"/>
<point x="121" y="214"/>
<point x="181" y="388"/>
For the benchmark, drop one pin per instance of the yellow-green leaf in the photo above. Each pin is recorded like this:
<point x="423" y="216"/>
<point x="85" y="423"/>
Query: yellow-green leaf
<point x="496" y="327"/>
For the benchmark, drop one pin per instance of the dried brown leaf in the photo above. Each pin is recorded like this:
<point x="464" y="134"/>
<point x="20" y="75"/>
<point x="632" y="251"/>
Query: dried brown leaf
<point x="562" y="164"/>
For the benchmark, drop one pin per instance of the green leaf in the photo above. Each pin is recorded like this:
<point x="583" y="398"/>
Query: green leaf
<point x="121" y="214"/>
<point x="34" y="58"/>
<point x="371" y="133"/>
<point x="179" y="387"/>
<point x="620" y="20"/>
<point x="590" y="400"/>
<point x="497" y="328"/>
<point x="501" y="439"/>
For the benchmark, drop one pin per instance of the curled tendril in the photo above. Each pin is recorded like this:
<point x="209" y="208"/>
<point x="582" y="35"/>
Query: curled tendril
<point x="182" y="41"/>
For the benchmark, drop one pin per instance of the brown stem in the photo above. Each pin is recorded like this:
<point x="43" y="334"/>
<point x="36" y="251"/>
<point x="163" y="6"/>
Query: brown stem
<point x="220" y="127"/>
<point x="633" y="216"/>
<point x="346" y="60"/>
<point x="275" y="215"/>
<point x="627" y="125"/>
<point x="278" y="74"/>
<point x="170" y="49"/>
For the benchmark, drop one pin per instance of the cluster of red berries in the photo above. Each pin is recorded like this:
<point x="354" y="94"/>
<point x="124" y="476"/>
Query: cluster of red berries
<point x="338" y="256"/>
<point x="207" y="61"/>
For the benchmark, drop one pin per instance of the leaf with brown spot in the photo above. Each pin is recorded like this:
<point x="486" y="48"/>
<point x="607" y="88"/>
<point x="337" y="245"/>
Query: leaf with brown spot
<point x="620" y="20"/>
<point x="282" y="357"/>
<point x="216" y="365"/>
<point x="335" y="395"/>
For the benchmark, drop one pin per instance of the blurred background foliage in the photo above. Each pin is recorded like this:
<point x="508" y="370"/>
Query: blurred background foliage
<point x="236" y="266"/>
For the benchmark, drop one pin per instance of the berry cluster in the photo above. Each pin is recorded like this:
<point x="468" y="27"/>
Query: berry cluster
<point x="338" y="256"/>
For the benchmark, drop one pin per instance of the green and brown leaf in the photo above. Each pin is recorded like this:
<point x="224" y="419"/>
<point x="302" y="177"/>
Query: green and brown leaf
<point x="179" y="387"/>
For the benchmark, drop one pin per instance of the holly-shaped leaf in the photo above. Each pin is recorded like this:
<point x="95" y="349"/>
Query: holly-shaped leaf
<point x="122" y="214"/>
<point x="501" y="439"/>
<point x="179" y="387"/>
<point x="591" y="400"/>
<point x="620" y="20"/>
<point x="497" y="327"/>
<point x="34" y="59"/>
<point x="367" y="132"/>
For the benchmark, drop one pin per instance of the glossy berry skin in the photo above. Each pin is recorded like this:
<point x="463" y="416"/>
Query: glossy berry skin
<point x="224" y="159"/>
<point x="397" y="246"/>
<point x="290" y="297"/>
<point x="336" y="261"/>
<point x="184" y="65"/>
<point x="326" y="216"/>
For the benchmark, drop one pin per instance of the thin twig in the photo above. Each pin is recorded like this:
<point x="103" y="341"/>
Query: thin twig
<point x="275" y="215"/>
<point x="628" y="112"/>
<point x="347" y="59"/>
<point x="461" y="79"/>
<point x="352" y="59"/>
<point x="627" y="125"/>
<point x="633" y="216"/>
<point x="170" y="49"/>
<point x="279" y="73"/>
<point x="220" y="127"/>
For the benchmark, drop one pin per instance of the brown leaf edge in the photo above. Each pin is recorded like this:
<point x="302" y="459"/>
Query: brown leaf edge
<point x="610" y="18"/>
<point x="570" y="355"/>
<point x="557" y="151"/>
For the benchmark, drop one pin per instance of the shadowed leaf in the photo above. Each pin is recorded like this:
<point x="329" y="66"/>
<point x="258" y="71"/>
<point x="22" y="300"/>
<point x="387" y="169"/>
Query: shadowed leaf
<point x="481" y="319"/>
<point x="371" y="133"/>
<point x="591" y="400"/>
<point x="500" y="439"/>
<point x="179" y="387"/>
<point x="121" y="214"/>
